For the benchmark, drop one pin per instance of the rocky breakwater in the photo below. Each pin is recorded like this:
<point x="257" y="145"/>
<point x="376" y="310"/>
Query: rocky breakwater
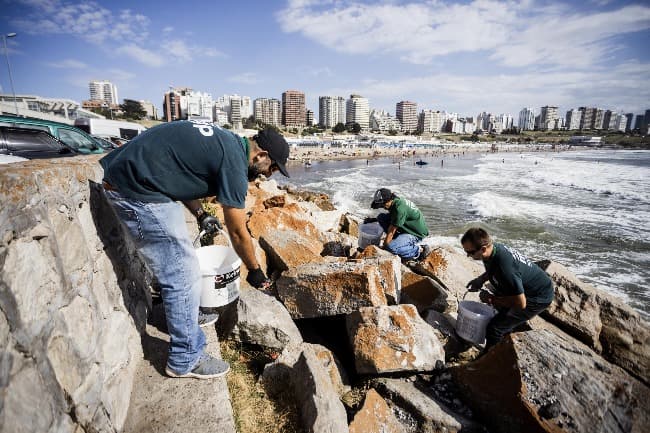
<point x="70" y="311"/>
<point x="368" y="344"/>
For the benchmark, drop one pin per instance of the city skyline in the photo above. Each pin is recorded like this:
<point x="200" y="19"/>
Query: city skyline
<point x="460" y="57"/>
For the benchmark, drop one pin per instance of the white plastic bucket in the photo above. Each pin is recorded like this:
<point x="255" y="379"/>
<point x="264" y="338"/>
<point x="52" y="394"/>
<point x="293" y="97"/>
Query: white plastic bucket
<point x="369" y="234"/>
<point x="473" y="318"/>
<point x="219" y="275"/>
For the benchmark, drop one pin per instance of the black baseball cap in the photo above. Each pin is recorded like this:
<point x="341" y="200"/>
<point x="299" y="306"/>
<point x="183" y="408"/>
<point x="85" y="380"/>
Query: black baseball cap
<point x="277" y="147"/>
<point x="381" y="196"/>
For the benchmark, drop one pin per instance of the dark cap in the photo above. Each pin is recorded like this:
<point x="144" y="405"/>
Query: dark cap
<point x="277" y="147"/>
<point x="381" y="196"/>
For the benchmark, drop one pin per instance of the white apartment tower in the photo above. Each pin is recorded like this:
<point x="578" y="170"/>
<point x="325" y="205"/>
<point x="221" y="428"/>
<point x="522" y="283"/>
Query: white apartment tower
<point x="527" y="119"/>
<point x="267" y="110"/>
<point x="548" y="117"/>
<point x="244" y="109"/>
<point x="407" y="113"/>
<point x="573" y="118"/>
<point x="331" y="111"/>
<point x="382" y="121"/>
<point x="103" y="91"/>
<point x="431" y="121"/>
<point x="358" y="111"/>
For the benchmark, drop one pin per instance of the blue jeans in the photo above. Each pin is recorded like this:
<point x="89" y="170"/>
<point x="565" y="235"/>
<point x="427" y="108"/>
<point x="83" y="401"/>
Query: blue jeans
<point x="161" y="237"/>
<point x="403" y="244"/>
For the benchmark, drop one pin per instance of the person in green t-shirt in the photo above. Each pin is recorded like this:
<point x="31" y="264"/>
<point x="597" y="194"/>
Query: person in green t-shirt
<point x="404" y="225"/>
<point x="522" y="289"/>
<point x="184" y="161"/>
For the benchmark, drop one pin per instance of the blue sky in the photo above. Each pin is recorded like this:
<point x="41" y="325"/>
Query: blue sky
<point x="464" y="57"/>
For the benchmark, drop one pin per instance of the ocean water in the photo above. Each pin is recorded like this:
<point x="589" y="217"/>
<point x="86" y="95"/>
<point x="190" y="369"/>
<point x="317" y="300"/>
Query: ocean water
<point x="587" y="209"/>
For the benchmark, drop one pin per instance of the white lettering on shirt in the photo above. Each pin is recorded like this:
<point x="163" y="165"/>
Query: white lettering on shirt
<point x="518" y="256"/>
<point x="205" y="128"/>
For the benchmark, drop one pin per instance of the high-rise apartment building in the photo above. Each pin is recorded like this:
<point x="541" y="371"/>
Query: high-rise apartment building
<point x="267" y="110"/>
<point x="152" y="111"/>
<point x="310" y="117"/>
<point x="588" y="120"/>
<point x="244" y="109"/>
<point x="103" y="91"/>
<point x="572" y="120"/>
<point x="629" y="117"/>
<point x="407" y="113"/>
<point x="526" y="119"/>
<point x="331" y="111"/>
<point x="382" y="121"/>
<point x="598" y="119"/>
<point x="185" y="103"/>
<point x="548" y="116"/>
<point x="293" y="109"/>
<point x="172" y="104"/>
<point x="431" y="121"/>
<point x="357" y="110"/>
<point x="639" y="121"/>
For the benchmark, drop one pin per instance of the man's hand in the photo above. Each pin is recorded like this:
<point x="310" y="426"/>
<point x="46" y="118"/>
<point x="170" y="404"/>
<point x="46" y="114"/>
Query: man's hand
<point x="475" y="285"/>
<point x="257" y="279"/>
<point x="209" y="224"/>
<point x="486" y="297"/>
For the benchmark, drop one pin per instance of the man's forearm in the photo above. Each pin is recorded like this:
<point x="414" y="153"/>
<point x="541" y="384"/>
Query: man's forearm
<point x="193" y="206"/>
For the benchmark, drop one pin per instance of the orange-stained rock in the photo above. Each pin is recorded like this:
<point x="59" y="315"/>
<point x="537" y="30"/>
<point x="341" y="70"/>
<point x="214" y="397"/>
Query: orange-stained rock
<point x="375" y="416"/>
<point x="425" y="292"/>
<point x="330" y="288"/>
<point x="450" y="268"/>
<point x="392" y="338"/>
<point x="289" y="217"/>
<point x="373" y="251"/>
<point x="275" y="201"/>
<point x="287" y="236"/>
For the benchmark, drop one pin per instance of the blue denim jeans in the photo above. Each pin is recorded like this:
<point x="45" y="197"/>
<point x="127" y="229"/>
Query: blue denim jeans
<point x="404" y="245"/>
<point x="161" y="237"/>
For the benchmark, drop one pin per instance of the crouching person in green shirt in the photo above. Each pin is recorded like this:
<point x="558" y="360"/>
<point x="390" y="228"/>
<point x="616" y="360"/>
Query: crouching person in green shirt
<point x="522" y="289"/>
<point x="404" y="225"/>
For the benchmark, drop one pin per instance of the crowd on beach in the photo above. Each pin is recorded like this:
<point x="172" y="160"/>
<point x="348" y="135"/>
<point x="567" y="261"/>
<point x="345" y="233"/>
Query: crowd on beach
<point x="304" y="154"/>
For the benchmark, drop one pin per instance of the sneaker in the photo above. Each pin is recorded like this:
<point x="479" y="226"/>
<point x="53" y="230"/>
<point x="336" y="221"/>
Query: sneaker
<point x="426" y="250"/>
<point x="207" y="368"/>
<point x="207" y="319"/>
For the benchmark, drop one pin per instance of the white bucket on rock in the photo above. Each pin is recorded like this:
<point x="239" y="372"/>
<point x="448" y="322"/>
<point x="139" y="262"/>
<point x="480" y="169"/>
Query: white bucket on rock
<point x="369" y="234"/>
<point x="219" y="275"/>
<point x="473" y="318"/>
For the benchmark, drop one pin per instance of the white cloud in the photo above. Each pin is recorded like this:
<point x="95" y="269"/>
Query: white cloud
<point x="68" y="64"/>
<point x="515" y="33"/>
<point x="142" y="55"/>
<point x="245" y="78"/>
<point x="615" y="88"/>
<point x="186" y="53"/>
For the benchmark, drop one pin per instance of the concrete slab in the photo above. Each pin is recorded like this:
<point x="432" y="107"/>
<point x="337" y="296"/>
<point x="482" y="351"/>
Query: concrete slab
<point x="162" y="404"/>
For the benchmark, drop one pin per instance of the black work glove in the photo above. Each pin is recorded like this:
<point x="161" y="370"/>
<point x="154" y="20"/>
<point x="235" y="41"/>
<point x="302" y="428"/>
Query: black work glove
<point x="209" y="224"/>
<point x="486" y="297"/>
<point x="257" y="279"/>
<point x="367" y="220"/>
<point x="475" y="285"/>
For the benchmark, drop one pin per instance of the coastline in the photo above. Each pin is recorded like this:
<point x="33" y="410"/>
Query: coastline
<point x="305" y="154"/>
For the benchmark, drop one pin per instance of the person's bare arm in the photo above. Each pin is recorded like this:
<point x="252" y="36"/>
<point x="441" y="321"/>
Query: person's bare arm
<point x="235" y="220"/>
<point x="517" y="302"/>
<point x="193" y="206"/>
<point x="390" y="234"/>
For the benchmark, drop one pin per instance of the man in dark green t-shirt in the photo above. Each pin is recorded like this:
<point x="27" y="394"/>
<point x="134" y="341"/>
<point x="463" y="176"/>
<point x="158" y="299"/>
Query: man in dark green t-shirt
<point x="522" y="289"/>
<point x="185" y="161"/>
<point x="404" y="225"/>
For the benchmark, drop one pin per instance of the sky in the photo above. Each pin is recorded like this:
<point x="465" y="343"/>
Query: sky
<point x="464" y="57"/>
